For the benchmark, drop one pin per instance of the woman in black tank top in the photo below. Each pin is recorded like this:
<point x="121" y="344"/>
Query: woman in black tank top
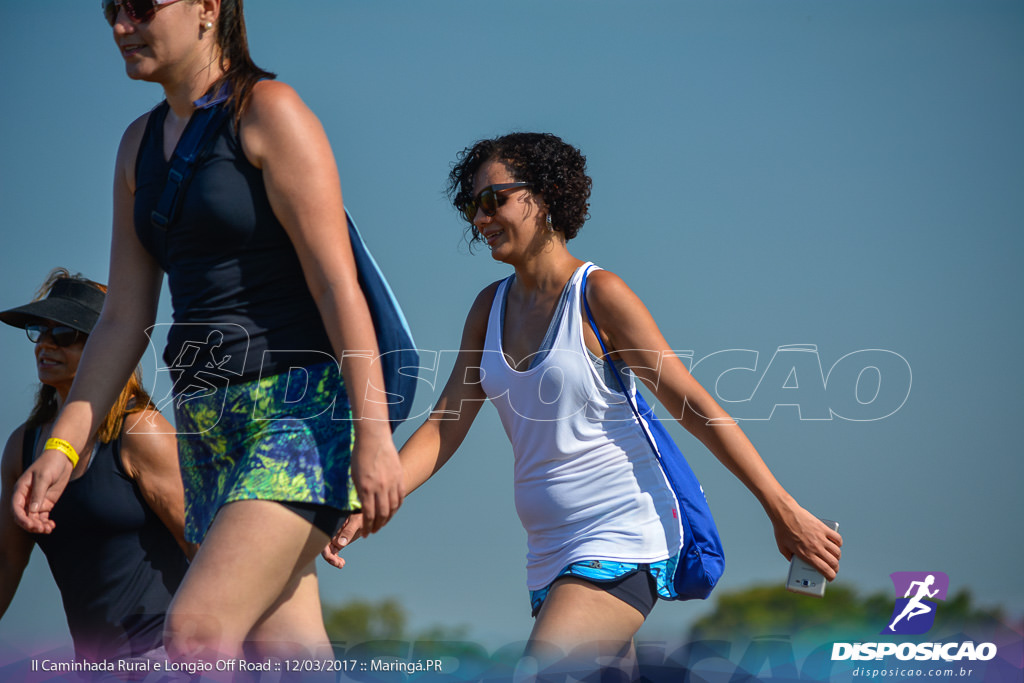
<point x="259" y="249"/>
<point x="116" y="549"/>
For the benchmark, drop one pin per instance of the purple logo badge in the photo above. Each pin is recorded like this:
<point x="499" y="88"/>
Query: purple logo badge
<point x="915" y="610"/>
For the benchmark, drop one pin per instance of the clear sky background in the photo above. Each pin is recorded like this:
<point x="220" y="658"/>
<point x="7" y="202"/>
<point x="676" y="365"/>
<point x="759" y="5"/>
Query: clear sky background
<point x="843" y="174"/>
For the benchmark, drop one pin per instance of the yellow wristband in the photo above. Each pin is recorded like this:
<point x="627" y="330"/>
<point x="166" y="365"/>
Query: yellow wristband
<point x="64" y="447"/>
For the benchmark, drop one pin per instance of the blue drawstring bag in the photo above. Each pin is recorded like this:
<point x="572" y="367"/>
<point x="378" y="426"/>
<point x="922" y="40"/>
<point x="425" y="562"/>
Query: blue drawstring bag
<point x="701" y="559"/>
<point x="398" y="355"/>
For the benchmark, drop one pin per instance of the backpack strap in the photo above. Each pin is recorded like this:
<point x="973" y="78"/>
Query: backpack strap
<point x="622" y="385"/>
<point x="194" y="145"/>
<point x="597" y="333"/>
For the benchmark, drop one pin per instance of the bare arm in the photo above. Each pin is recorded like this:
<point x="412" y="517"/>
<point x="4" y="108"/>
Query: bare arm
<point x="111" y="353"/>
<point x="627" y="325"/>
<point x="436" y="440"/>
<point x="16" y="543"/>
<point x="149" y="452"/>
<point x="282" y="137"/>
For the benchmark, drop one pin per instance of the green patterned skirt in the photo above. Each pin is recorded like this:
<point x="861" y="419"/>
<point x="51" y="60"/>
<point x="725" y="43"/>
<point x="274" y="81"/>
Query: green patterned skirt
<point x="284" y="438"/>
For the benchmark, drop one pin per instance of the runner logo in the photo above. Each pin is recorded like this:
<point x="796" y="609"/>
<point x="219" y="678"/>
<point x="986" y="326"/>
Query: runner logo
<point x="914" y="614"/>
<point x="915" y="611"/>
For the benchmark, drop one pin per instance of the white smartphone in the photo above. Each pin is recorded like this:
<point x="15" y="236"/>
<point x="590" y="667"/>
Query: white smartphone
<point x="803" y="578"/>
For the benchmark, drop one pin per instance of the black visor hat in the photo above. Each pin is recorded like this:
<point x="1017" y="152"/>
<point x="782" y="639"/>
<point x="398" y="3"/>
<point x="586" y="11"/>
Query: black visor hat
<point x="70" y="302"/>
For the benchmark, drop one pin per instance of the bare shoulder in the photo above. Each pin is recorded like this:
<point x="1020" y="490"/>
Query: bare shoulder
<point x="146" y="423"/>
<point x="128" y="150"/>
<point x="622" y="318"/>
<point x="481" y="309"/>
<point x="606" y="290"/>
<point x="136" y="128"/>
<point x="273" y="93"/>
<point x="275" y="121"/>
<point x="273" y="102"/>
<point x="485" y="298"/>
<point x="147" y="440"/>
<point x="475" y="330"/>
<point x="12" y="461"/>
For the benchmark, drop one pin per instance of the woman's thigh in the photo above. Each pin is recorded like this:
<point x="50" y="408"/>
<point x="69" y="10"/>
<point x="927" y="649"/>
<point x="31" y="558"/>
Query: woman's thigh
<point x="580" y="619"/>
<point x="293" y="628"/>
<point x="257" y="557"/>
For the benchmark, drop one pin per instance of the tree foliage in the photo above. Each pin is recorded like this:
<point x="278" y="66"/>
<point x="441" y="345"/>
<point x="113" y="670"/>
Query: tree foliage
<point x="361" y="621"/>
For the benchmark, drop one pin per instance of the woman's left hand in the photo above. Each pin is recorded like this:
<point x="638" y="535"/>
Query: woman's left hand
<point x="349" y="532"/>
<point x="798" y="532"/>
<point x="377" y="476"/>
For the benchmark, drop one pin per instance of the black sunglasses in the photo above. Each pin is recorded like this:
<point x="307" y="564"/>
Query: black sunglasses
<point x="137" y="10"/>
<point x="488" y="200"/>
<point x="62" y="335"/>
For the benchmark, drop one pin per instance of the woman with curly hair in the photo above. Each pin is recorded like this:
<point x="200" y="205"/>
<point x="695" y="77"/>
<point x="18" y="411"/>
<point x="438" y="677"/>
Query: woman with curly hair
<point x="262" y="280"/>
<point x="117" y="548"/>
<point x="601" y="532"/>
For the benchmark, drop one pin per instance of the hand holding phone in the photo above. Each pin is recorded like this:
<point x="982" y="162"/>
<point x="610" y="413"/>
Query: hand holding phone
<point x="803" y="578"/>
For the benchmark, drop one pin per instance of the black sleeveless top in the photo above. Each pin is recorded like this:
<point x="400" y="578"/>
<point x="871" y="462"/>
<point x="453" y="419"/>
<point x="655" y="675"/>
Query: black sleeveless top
<point x="241" y="304"/>
<point x="117" y="566"/>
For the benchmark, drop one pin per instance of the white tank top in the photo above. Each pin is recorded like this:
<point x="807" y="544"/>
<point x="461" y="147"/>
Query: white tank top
<point x="587" y="486"/>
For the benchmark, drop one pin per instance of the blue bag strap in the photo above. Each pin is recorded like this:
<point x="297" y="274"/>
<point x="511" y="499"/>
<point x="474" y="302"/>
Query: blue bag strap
<point x="195" y="143"/>
<point x="622" y="385"/>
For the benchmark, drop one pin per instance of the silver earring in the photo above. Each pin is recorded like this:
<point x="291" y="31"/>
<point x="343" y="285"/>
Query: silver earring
<point x="550" y="224"/>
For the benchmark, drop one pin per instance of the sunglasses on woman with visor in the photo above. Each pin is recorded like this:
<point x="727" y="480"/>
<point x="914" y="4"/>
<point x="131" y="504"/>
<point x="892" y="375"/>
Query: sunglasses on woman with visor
<point x="62" y="335"/>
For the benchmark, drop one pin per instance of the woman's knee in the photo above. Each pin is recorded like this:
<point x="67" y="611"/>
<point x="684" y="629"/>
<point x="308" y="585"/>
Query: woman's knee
<point x="190" y="637"/>
<point x="294" y="626"/>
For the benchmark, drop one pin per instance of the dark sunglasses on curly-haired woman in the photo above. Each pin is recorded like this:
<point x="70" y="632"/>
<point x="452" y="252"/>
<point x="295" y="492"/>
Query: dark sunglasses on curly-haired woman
<point x="488" y="200"/>
<point x="62" y="335"/>
<point x="137" y="10"/>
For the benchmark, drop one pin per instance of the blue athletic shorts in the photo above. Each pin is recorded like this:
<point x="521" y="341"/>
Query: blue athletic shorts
<point x="639" y="585"/>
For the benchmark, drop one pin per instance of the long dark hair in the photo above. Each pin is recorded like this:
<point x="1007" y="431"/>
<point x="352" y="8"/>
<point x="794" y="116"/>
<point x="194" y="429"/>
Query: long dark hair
<point x="133" y="398"/>
<point x="239" y="69"/>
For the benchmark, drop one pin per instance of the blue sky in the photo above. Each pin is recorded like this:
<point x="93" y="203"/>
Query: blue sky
<point x="845" y="175"/>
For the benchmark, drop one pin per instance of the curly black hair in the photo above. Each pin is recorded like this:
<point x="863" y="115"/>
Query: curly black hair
<point x="556" y="171"/>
